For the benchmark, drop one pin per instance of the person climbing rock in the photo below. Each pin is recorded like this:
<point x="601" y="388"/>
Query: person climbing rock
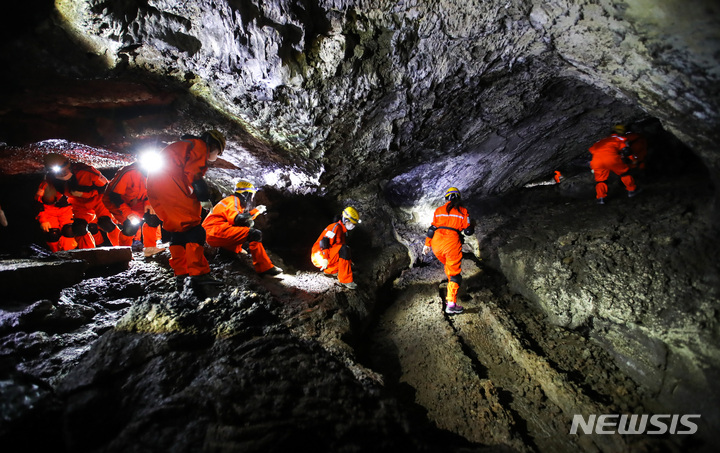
<point x="607" y="156"/>
<point x="445" y="238"/>
<point x="230" y="225"/>
<point x="331" y="254"/>
<point x="55" y="216"/>
<point x="558" y="177"/>
<point x="83" y="185"/>
<point x="126" y="198"/>
<point x="178" y="193"/>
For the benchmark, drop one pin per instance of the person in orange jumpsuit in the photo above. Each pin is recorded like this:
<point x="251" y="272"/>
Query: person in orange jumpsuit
<point x="558" y="177"/>
<point x="444" y="237"/>
<point x="83" y="185"/>
<point x="178" y="193"/>
<point x="230" y="226"/>
<point x="331" y="254"/>
<point x="607" y="156"/>
<point x="126" y="198"/>
<point x="55" y="218"/>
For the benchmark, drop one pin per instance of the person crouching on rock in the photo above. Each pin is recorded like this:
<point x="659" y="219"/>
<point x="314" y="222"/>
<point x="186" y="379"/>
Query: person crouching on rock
<point x="331" y="254"/>
<point x="177" y="192"/>
<point x="229" y="225"/>
<point x="126" y="198"/>
<point x="83" y="185"/>
<point x="444" y="237"/>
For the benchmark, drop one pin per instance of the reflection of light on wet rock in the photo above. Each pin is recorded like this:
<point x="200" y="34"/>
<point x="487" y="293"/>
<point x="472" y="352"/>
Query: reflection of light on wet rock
<point x="16" y="160"/>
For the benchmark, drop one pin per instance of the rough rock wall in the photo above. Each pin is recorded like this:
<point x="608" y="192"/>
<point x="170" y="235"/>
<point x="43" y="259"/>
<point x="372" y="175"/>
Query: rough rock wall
<point x="358" y="90"/>
<point x="640" y="278"/>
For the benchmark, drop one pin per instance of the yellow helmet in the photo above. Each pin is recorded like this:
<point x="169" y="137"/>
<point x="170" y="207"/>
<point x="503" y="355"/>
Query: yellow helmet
<point x="451" y="193"/>
<point x="619" y="128"/>
<point x="243" y="186"/>
<point x="351" y="214"/>
<point x="218" y="137"/>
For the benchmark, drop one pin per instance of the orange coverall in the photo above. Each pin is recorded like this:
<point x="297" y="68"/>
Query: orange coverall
<point x="56" y="211"/>
<point x="84" y="191"/>
<point x="447" y="246"/>
<point x="222" y="232"/>
<point x="171" y="194"/>
<point x="606" y="158"/>
<point x="337" y="252"/>
<point x="127" y="194"/>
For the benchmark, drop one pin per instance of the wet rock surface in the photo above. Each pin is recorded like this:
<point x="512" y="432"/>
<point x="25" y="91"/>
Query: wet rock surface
<point x="510" y="371"/>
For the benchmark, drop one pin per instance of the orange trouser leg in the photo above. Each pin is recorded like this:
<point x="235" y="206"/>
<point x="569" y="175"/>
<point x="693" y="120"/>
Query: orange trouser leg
<point x="177" y="259"/>
<point x="54" y="246"/>
<point x="344" y="268"/>
<point x="629" y="182"/>
<point x="337" y="264"/>
<point x="601" y="188"/>
<point x="85" y="241"/>
<point x="448" y="250"/>
<point x="125" y="241"/>
<point x="452" y="290"/>
<point x="98" y="238"/>
<point x="197" y="264"/>
<point x="114" y="237"/>
<point x="150" y="235"/>
<point x="67" y="243"/>
<point x="261" y="260"/>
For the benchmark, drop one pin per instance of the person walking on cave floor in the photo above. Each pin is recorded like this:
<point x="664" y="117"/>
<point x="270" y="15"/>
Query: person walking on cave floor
<point x="126" y="198"/>
<point x="608" y="155"/>
<point x="178" y="193"/>
<point x="445" y="238"/>
<point x="230" y="223"/>
<point x="331" y="254"/>
<point x="83" y="185"/>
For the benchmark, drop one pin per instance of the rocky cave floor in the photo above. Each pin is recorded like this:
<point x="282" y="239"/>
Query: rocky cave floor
<point x="123" y="362"/>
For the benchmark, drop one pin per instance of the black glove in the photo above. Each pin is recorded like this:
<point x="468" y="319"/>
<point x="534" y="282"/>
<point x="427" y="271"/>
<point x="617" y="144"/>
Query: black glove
<point x="324" y="243"/>
<point x="129" y="228"/>
<point x="431" y="231"/>
<point x="244" y="220"/>
<point x="201" y="190"/>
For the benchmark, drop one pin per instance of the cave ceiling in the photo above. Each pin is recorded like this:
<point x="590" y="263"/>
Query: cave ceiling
<point x="326" y="96"/>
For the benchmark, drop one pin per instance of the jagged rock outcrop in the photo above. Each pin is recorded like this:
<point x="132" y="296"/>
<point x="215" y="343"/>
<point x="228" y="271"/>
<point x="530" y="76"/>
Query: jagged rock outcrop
<point x="350" y="89"/>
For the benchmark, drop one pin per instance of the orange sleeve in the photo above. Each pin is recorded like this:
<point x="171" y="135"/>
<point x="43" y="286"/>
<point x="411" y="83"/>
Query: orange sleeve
<point x="115" y="198"/>
<point x="196" y="161"/>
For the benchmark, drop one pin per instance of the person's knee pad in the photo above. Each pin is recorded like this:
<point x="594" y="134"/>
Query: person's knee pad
<point x="129" y="228"/>
<point x="254" y="235"/>
<point x="93" y="228"/>
<point x="80" y="227"/>
<point x="53" y="235"/>
<point x="344" y="252"/>
<point x="67" y="231"/>
<point x="151" y="220"/>
<point x="195" y="235"/>
<point x="106" y="224"/>
<point x="456" y="278"/>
